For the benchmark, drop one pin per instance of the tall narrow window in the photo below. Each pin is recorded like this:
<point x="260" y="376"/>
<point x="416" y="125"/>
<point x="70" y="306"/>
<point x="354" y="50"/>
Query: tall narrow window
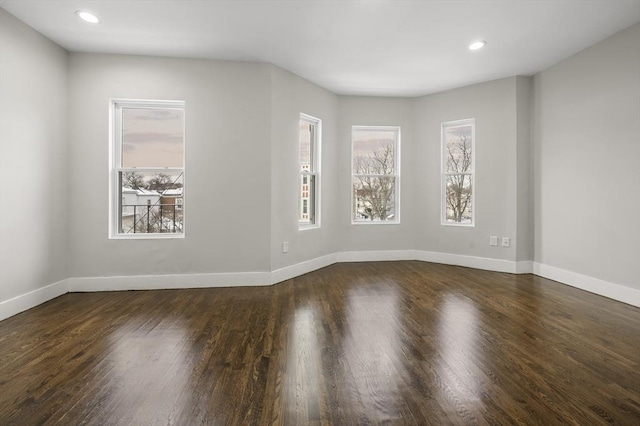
<point x="147" y="169"/>
<point x="458" y="172"/>
<point x="375" y="174"/>
<point x="309" y="167"/>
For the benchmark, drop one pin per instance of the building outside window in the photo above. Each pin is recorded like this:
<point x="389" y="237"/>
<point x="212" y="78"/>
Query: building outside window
<point x="375" y="174"/>
<point x="309" y="168"/>
<point x="458" y="173"/>
<point x="147" y="169"/>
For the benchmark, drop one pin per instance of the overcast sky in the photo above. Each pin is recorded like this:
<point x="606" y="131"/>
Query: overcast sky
<point x="152" y="137"/>
<point x="305" y="142"/>
<point x="367" y="141"/>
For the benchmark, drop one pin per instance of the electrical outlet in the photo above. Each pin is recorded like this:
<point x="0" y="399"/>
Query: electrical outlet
<point x="506" y="242"/>
<point x="493" y="240"/>
<point x="285" y="247"/>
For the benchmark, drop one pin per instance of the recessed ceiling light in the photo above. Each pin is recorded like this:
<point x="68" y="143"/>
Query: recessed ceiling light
<point x="477" y="45"/>
<point x="87" y="16"/>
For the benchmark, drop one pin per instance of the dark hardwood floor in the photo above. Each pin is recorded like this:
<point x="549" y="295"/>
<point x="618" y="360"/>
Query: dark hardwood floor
<point x="354" y="343"/>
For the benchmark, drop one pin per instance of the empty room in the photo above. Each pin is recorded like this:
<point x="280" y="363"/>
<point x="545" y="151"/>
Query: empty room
<point x="301" y="212"/>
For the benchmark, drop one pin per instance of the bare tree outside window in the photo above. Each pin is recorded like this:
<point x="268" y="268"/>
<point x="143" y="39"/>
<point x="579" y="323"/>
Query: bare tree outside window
<point x="375" y="176"/>
<point x="151" y="203"/>
<point x="161" y="181"/>
<point x="457" y="151"/>
<point x="133" y="180"/>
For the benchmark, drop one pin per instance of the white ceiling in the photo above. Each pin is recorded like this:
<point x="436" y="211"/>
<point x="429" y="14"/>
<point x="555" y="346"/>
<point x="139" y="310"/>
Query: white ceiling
<point x="356" y="47"/>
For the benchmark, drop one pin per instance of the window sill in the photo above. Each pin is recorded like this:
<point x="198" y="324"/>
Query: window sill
<point x="375" y="222"/>
<point x="458" y="225"/>
<point x="167" y="236"/>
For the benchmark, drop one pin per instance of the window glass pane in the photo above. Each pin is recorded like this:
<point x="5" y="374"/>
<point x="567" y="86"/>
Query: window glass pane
<point x="373" y="151"/>
<point x="152" y="137"/>
<point x="458" y="199"/>
<point x="304" y="199"/>
<point x="374" y="198"/>
<point x="308" y="145"/>
<point x="305" y="145"/>
<point x="458" y="149"/>
<point x="152" y="202"/>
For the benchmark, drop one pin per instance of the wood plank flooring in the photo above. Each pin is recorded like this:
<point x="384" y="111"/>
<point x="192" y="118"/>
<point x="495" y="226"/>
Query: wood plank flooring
<point x="354" y="343"/>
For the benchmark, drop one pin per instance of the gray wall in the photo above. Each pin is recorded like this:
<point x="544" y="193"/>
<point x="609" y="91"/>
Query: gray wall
<point x="368" y="111"/>
<point x="524" y="226"/>
<point x="493" y="105"/>
<point x="33" y="159"/>
<point x="290" y="96"/>
<point x="227" y="176"/>
<point x="587" y="161"/>
<point x="553" y="155"/>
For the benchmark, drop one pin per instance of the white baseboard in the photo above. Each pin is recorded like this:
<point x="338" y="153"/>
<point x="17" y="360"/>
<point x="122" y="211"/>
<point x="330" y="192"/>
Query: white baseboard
<point x="301" y="268"/>
<point x="488" y="264"/>
<point x="32" y="299"/>
<point x="375" y="255"/>
<point x="158" y="282"/>
<point x="524" y="267"/>
<point x="244" y="279"/>
<point x="593" y="285"/>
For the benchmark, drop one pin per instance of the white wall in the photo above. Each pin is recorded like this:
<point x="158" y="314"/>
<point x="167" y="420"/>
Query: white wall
<point x="369" y="111"/>
<point x="493" y="105"/>
<point x="33" y="162"/>
<point x="227" y="176"/>
<point x="241" y="174"/>
<point x="587" y="162"/>
<point x="290" y="96"/>
<point x="524" y="227"/>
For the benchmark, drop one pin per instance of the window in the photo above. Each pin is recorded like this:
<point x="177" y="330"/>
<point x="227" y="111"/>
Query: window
<point x="458" y="172"/>
<point x="309" y="167"/>
<point x="147" y="169"/>
<point x="375" y="174"/>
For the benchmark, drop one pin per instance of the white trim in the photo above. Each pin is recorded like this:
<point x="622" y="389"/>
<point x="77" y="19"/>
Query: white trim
<point x="375" y="256"/>
<point x="150" y="236"/>
<point x="158" y="282"/>
<point x="375" y="222"/>
<point x="295" y="270"/>
<point x="32" y="299"/>
<point x="486" y="263"/>
<point x="116" y="105"/>
<point x="316" y="170"/>
<point x="524" y="267"/>
<point x="600" y="287"/>
<point x="395" y="175"/>
<point x="443" y="173"/>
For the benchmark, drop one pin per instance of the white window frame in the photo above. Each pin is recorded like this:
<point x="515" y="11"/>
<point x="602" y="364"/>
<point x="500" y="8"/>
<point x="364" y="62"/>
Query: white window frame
<point x="396" y="168"/>
<point x="115" y="165"/>
<point x="443" y="171"/>
<point x="313" y="174"/>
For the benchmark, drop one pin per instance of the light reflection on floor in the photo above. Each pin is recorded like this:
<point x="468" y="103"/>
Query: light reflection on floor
<point x="303" y="366"/>
<point x="458" y="330"/>
<point x="149" y="367"/>
<point x="372" y="347"/>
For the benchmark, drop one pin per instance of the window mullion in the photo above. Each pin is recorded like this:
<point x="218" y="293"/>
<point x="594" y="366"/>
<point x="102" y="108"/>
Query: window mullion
<point x="375" y="196"/>
<point x="458" y="187"/>
<point x="147" y="201"/>
<point x="308" y="142"/>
